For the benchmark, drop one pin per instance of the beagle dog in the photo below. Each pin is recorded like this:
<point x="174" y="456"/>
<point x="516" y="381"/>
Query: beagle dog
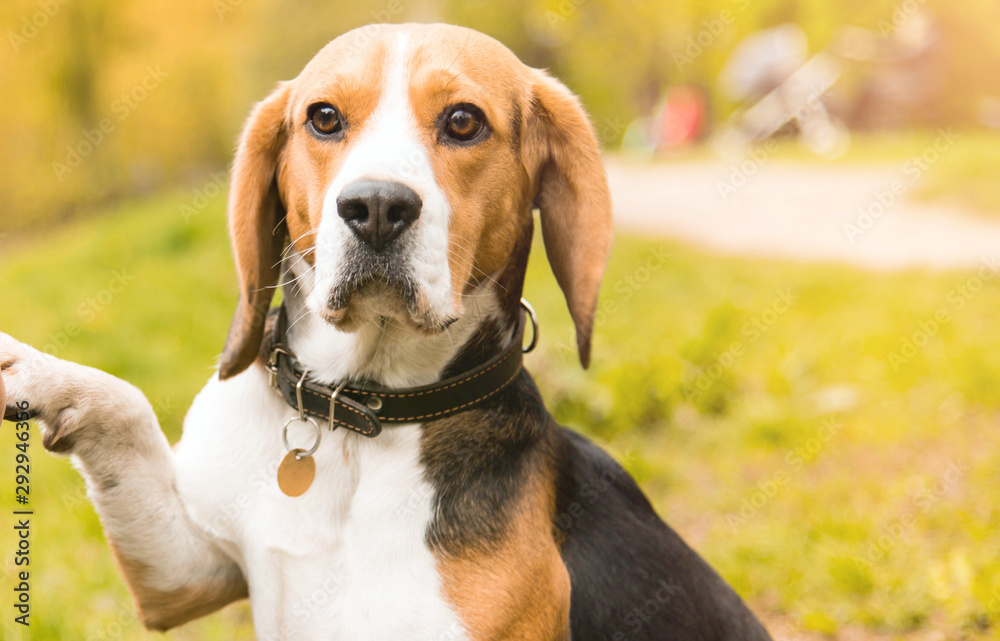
<point x="372" y="462"/>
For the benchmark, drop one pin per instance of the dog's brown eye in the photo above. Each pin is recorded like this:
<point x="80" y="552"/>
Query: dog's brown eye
<point x="464" y="123"/>
<point x="325" y="119"/>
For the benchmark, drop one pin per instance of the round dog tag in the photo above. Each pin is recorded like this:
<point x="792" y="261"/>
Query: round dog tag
<point x="295" y="474"/>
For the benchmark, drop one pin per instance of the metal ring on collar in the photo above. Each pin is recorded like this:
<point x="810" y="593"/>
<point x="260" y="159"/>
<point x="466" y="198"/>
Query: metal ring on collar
<point x="534" y="325"/>
<point x="311" y="450"/>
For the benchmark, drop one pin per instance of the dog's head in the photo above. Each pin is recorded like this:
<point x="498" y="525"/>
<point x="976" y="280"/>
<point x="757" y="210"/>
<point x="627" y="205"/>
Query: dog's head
<point x="403" y="164"/>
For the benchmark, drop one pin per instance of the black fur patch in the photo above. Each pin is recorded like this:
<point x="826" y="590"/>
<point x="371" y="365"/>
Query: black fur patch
<point x="478" y="463"/>
<point x="633" y="578"/>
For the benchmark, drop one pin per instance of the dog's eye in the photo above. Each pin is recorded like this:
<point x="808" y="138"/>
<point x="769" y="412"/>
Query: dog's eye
<point x="464" y="122"/>
<point x="325" y="120"/>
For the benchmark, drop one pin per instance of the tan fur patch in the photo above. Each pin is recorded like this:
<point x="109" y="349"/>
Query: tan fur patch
<point x="161" y="611"/>
<point x="483" y="182"/>
<point x="563" y="157"/>
<point x="520" y="591"/>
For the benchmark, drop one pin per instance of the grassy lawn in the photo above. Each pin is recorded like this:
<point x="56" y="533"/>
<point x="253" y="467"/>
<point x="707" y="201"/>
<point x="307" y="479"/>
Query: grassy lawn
<point x="826" y="437"/>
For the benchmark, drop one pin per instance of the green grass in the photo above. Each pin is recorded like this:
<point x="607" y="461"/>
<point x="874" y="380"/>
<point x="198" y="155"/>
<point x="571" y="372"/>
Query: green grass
<point x="968" y="174"/>
<point x="834" y="490"/>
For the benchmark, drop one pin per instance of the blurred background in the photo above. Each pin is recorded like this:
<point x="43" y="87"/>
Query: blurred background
<point x="796" y="345"/>
<point x="174" y="81"/>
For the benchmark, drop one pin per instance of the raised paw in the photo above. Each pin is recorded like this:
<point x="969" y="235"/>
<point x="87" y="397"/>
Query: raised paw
<point x="40" y="386"/>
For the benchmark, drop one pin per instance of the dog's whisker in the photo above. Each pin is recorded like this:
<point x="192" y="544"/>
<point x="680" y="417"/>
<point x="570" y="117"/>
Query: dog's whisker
<point x="487" y="276"/>
<point x="285" y="256"/>
<point x="297" y="278"/>
<point x="311" y="231"/>
<point x="304" y="314"/>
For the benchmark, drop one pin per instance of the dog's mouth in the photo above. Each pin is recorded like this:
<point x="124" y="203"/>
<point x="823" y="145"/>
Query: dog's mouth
<point x="375" y="296"/>
<point x="377" y="301"/>
<point x="378" y="288"/>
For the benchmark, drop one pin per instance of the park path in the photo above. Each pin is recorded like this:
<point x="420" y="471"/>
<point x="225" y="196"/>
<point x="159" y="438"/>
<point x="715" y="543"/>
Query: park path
<point x="799" y="212"/>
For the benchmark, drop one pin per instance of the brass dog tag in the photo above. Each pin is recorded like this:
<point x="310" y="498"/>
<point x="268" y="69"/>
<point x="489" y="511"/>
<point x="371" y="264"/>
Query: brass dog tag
<point x="295" y="474"/>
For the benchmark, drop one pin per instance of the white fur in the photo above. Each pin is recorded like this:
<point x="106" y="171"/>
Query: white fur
<point x="390" y="148"/>
<point x="347" y="560"/>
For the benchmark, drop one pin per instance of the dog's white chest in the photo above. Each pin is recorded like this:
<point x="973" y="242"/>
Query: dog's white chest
<point x="348" y="559"/>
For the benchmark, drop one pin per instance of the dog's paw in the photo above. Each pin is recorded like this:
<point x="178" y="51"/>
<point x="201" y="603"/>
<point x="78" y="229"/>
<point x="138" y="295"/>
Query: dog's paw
<point x="39" y="386"/>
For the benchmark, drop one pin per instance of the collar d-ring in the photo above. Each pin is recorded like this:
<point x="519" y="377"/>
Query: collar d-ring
<point x="534" y="325"/>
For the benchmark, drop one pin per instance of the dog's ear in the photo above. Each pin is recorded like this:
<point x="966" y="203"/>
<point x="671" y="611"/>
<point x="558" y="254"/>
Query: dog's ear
<point x="563" y="159"/>
<point x="256" y="227"/>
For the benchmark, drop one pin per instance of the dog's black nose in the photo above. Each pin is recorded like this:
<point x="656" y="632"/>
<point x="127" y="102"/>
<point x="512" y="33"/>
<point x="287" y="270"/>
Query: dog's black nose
<point x="378" y="211"/>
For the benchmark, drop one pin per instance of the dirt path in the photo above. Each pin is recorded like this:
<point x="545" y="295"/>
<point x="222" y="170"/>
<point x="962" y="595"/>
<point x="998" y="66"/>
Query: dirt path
<point x="843" y="214"/>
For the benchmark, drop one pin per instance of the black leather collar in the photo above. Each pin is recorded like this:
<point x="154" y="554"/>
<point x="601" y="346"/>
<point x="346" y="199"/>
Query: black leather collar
<point x="365" y="407"/>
